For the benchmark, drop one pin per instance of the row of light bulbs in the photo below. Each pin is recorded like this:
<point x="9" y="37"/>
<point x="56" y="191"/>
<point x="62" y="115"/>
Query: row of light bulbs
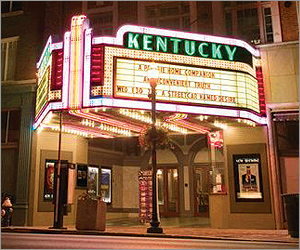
<point x="141" y="116"/>
<point x="48" y="118"/>
<point x="175" y="128"/>
<point x="203" y="117"/>
<point x="106" y="127"/>
<point x="88" y="123"/>
<point x="138" y="115"/>
<point x="69" y="131"/>
<point x="220" y="125"/>
<point x="114" y="129"/>
<point x="248" y="122"/>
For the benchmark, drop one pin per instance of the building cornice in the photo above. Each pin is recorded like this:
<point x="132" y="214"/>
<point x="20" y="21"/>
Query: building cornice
<point x="274" y="45"/>
<point x="283" y="106"/>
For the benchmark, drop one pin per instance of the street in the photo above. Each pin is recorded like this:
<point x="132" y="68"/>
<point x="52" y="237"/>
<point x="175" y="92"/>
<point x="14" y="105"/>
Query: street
<point x="64" y="241"/>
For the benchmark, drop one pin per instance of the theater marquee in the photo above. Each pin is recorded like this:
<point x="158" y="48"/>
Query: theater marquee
<point x="185" y="84"/>
<point x="199" y="75"/>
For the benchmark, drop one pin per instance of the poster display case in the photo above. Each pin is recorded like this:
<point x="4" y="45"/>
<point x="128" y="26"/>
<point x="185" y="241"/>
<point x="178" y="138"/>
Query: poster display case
<point x="49" y="180"/>
<point x="248" y="179"/>
<point x="106" y="184"/>
<point x="81" y="180"/>
<point x="96" y="180"/>
<point x="93" y="180"/>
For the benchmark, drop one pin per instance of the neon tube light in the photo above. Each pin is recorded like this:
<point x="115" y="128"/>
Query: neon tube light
<point x="120" y="103"/>
<point x="103" y="119"/>
<point x="79" y="24"/>
<point x="47" y="50"/>
<point x="87" y="67"/>
<point x="215" y="139"/>
<point x="57" y="46"/>
<point x="66" y="69"/>
<point x="50" y="106"/>
<point x="172" y="33"/>
<point x="179" y="119"/>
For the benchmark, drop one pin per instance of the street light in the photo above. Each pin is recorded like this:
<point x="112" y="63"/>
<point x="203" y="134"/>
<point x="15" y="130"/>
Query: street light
<point x="58" y="205"/>
<point x="153" y="77"/>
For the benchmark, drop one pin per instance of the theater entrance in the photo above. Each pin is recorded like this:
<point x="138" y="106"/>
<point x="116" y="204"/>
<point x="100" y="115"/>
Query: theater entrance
<point x="168" y="195"/>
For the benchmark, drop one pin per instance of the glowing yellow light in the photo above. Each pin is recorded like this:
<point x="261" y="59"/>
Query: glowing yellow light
<point x="220" y="125"/>
<point x="75" y="87"/>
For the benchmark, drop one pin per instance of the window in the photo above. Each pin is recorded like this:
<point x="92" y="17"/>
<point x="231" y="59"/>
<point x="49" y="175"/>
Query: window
<point x="98" y="4"/>
<point x="249" y="20"/>
<point x="10" y="126"/>
<point x="10" y="6"/>
<point x="268" y="25"/>
<point x="171" y="16"/>
<point x="247" y="25"/>
<point x="228" y="20"/>
<point x="102" y="23"/>
<point x="287" y="131"/>
<point x="102" y="15"/>
<point x="8" y="58"/>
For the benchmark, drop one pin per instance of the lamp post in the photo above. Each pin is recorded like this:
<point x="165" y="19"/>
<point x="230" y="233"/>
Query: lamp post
<point x="58" y="205"/>
<point x="155" y="228"/>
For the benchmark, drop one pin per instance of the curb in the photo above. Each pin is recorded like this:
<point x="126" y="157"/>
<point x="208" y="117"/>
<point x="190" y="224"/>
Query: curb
<point x="92" y="232"/>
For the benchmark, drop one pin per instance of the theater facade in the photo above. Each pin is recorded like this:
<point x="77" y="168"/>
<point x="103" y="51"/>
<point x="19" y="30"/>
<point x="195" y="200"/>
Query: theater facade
<point x="209" y="98"/>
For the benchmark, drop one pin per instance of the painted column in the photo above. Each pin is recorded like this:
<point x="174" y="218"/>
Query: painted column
<point x="22" y="184"/>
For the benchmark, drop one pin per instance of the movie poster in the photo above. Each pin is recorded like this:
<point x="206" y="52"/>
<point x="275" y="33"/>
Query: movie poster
<point x="49" y="180"/>
<point x="106" y="184"/>
<point x="93" y="180"/>
<point x="81" y="175"/>
<point x="248" y="179"/>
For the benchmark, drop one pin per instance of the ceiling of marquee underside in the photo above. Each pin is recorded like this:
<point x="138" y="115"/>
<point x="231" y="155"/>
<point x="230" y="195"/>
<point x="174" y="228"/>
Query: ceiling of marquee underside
<point x="118" y="122"/>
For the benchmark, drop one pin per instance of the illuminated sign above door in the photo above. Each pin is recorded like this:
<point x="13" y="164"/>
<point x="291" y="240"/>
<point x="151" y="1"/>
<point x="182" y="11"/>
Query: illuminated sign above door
<point x="187" y="47"/>
<point x="178" y="83"/>
<point x="199" y="74"/>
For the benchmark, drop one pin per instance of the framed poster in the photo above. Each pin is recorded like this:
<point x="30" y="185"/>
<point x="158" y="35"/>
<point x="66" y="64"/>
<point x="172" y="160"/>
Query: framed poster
<point x="49" y="180"/>
<point x="93" y="180"/>
<point x="248" y="178"/>
<point x="81" y="180"/>
<point x="106" y="184"/>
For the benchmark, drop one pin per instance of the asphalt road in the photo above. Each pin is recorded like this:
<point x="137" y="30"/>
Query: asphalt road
<point x="63" y="241"/>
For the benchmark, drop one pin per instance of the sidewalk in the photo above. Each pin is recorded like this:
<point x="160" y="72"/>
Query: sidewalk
<point x="171" y="231"/>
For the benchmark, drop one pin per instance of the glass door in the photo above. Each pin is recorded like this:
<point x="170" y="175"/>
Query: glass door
<point x="167" y="182"/>
<point x="201" y="181"/>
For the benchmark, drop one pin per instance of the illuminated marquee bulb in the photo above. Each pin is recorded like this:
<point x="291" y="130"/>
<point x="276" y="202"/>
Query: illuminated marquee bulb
<point x="220" y="125"/>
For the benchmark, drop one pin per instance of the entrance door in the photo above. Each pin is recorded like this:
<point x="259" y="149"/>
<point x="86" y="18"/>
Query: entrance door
<point x="167" y="183"/>
<point x="201" y="191"/>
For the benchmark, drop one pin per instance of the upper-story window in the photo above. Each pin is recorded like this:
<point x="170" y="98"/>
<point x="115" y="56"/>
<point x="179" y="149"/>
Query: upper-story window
<point x="102" y="15"/>
<point x="249" y="20"/>
<point x="102" y="23"/>
<point x="10" y="6"/>
<point x="268" y="25"/>
<point x="10" y="126"/>
<point x="174" y="15"/>
<point x="8" y="58"/>
<point x="98" y="4"/>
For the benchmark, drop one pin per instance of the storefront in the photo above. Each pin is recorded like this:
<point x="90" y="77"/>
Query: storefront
<point x="210" y="99"/>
